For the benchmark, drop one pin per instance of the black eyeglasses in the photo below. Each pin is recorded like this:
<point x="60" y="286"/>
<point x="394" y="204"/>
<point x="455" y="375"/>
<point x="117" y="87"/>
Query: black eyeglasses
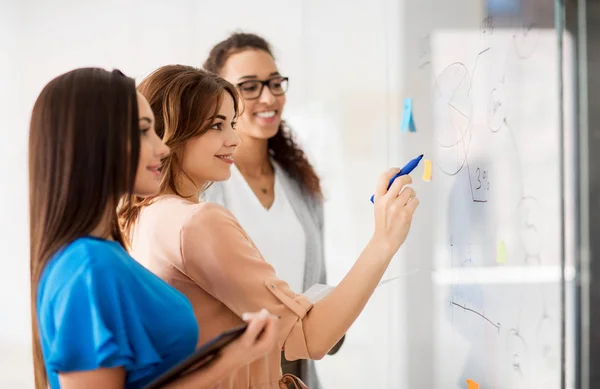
<point x="252" y="89"/>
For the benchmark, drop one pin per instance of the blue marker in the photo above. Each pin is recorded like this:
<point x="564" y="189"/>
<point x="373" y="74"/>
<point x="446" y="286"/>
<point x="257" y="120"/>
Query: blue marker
<point x="409" y="167"/>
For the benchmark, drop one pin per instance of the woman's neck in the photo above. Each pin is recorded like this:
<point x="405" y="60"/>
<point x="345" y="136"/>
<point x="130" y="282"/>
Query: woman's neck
<point x="252" y="157"/>
<point x="104" y="229"/>
<point x="187" y="189"/>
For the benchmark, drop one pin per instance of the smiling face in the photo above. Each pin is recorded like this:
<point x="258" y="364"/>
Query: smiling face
<point x="208" y="157"/>
<point x="152" y="150"/>
<point x="262" y="115"/>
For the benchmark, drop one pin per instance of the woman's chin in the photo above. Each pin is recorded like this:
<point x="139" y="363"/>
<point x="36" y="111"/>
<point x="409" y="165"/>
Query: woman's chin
<point x="264" y="131"/>
<point x="146" y="190"/>
<point x="222" y="176"/>
<point x="271" y="132"/>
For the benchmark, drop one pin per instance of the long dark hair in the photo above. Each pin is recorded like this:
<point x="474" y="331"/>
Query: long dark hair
<point x="84" y="145"/>
<point x="183" y="99"/>
<point x="282" y="147"/>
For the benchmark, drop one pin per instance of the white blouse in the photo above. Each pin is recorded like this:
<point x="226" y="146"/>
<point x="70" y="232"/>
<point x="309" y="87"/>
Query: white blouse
<point x="276" y="231"/>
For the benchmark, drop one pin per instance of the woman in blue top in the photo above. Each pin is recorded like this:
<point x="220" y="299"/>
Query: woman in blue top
<point x="100" y="319"/>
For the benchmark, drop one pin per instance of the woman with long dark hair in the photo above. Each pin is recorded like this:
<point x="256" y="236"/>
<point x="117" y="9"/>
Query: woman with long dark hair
<point x="100" y="319"/>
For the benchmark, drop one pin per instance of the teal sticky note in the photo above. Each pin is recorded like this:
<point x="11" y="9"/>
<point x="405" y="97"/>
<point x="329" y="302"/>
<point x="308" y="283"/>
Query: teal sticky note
<point x="408" y="122"/>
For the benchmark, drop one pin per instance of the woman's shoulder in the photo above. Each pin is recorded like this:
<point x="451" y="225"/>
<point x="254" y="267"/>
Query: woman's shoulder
<point x="211" y="226"/>
<point x="168" y="210"/>
<point x="209" y="212"/>
<point x="83" y="261"/>
<point x="87" y="252"/>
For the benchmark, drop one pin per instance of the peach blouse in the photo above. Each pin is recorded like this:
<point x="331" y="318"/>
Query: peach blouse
<point x="202" y="250"/>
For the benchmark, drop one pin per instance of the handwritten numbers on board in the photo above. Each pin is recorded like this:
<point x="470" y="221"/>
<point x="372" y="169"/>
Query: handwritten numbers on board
<point x="483" y="182"/>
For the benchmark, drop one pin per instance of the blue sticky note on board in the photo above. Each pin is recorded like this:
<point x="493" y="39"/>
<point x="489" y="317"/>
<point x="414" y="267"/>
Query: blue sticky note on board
<point x="408" y="122"/>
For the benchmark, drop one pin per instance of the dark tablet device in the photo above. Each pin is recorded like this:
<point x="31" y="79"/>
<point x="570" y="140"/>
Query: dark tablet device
<point x="201" y="358"/>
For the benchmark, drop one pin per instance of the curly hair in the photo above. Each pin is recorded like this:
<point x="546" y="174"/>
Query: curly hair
<point x="282" y="147"/>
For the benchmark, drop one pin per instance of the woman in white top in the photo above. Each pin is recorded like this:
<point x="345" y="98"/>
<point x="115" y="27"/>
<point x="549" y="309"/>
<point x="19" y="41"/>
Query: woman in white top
<point x="273" y="191"/>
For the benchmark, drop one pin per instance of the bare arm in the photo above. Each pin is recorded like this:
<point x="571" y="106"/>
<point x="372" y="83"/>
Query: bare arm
<point x="334" y="315"/>
<point x="228" y="265"/>
<point x="113" y="378"/>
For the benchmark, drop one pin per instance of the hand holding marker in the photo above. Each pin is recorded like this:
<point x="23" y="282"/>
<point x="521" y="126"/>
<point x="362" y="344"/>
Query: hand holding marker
<point x="409" y="167"/>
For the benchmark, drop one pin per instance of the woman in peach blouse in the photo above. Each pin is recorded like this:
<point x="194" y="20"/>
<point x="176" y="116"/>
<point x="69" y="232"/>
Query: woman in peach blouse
<point x="201" y="249"/>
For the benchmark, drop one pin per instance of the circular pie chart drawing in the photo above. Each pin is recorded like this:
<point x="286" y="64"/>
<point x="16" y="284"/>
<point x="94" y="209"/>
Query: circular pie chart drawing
<point x="453" y="108"/>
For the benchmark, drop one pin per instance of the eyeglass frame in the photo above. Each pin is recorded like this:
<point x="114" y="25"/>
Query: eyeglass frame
<point x="262" y="86"/>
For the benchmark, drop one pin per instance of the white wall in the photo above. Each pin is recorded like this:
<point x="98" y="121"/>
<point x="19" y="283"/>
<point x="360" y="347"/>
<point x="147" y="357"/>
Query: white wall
<point x="350" y="50"/>
<point x="337" y="55"/>
<point x="14" y="280"/>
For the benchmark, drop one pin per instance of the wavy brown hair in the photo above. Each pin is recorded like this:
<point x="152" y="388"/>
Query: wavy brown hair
<point x="84" y="141"/>
<point x="282" y="147"/>
<point x="184" y="100"/>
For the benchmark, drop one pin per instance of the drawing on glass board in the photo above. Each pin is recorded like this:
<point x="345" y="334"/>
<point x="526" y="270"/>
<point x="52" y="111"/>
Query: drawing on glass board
<point x="453" y="109"/>
<point x="483" y="125"/>
<point x="468" y="298"/>
<point x="518" y="359"/>
<point x="526" y="39"/>
<point x="424" y="51"/>
<point x="497" y="108"/>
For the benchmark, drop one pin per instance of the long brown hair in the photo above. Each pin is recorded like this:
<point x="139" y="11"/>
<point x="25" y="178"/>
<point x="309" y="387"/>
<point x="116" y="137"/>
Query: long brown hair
<point x="83" y="153"/>
<point x="282" y="147"/>
<point x="183" y="99"/>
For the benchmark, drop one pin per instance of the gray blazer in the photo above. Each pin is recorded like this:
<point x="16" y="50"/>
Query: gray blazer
<point x="310" y="214"/>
